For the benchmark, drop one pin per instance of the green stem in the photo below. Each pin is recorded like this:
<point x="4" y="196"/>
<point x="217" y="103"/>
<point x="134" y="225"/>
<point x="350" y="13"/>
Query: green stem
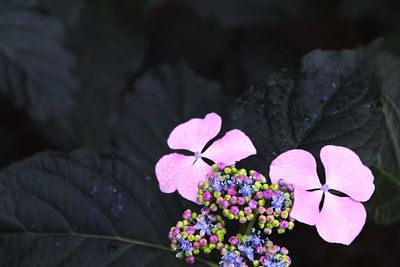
<point x="123" y="239"/>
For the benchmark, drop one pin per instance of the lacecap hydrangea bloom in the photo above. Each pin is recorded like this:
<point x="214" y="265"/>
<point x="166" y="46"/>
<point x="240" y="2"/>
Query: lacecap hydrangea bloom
<point x="259" y="205"/>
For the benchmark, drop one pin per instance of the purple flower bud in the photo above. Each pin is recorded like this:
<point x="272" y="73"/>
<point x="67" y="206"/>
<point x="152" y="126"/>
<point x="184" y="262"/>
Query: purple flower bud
<point x="259" y="250"/>
<point x="207" y="196"/>
<point x="190" y="230"/>
<point x="233" y="240"/>
<point x="247" y="210"/>
<point x="253" y="204"/>
<point x="196" y="245"/>
<point x="268" y="194"/>
<point x="205" y="211"/>
<point x="241" y="201"/>
<point x="277" y="248"/>
<point x="231" y="192"/>
<point x="259" y="195"/>
<point x="233" y="200"/>
<point x="290" y="188"/>
<point x="284" y="250"/>
<point x="234" y="210"/>
<point x="283" y="224"/>
<point x="281" y="182"/>
<point x="213" y="239"/>
<point x="203" y="242"/>
<point x="187" y="214"/>
<point x="221" y="166"/>
<point x="190" y="259"/>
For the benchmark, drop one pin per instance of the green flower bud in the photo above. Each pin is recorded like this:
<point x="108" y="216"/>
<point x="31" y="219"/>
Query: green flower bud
<point x="274" y="187"/>
<point x="280" y="231"/>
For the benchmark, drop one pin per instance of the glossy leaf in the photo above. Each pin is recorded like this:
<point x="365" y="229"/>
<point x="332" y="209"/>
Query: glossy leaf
<point x="35" y="68"/>
<point x="331" y="98"/>
<point x="385" y="204"/>
<point x="84" y="209"/>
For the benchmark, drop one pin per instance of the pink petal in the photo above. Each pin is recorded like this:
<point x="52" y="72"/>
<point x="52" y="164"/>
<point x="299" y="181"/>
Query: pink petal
<point x="346" y="173"/>
<point x="177" y="172"/>
<point x="194" y="134"/>
<point x="295" y="166"/>
<point x="306" y="206"/>
<point x="341" y="219"/>
<point x="232" y="147"/>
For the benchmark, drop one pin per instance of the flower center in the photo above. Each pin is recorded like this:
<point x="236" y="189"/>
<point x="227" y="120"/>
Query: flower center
<point x="197" y="155"/>
<point x="325" y="188"/>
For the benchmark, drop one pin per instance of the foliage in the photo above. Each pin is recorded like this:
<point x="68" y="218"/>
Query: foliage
<point x="108" y="80"/>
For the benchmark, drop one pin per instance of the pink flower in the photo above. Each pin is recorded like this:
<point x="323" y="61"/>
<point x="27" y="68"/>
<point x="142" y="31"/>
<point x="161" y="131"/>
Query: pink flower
<point x="341" y="219"/>
<point x="183" y="173"/>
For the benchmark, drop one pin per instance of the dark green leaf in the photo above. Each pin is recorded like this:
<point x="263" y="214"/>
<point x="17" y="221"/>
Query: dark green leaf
<point x="331" y="98"/>
<point x="164" y="98"/>
<point x="390" y="71"/>
<point x="84" y="209"/>
<point x="385" y="204"/>
<point x="107" y="57"/>
<point x="35" y="70"/>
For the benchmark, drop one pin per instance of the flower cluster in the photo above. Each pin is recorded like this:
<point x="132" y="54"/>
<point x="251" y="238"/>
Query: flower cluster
<point x="244" y="197"/>
<point x="197" y="233"/>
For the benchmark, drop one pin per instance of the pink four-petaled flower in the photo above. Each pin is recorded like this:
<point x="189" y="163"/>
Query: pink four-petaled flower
<point x="183" y="173"/>
<point x="341" y="219"/>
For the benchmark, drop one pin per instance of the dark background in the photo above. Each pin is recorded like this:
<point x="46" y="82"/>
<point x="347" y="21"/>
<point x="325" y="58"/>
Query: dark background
<point x="235" y="43"/>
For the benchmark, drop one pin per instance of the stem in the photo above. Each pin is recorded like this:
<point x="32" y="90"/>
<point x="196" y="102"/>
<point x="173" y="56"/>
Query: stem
<point x="123" y="239"/>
